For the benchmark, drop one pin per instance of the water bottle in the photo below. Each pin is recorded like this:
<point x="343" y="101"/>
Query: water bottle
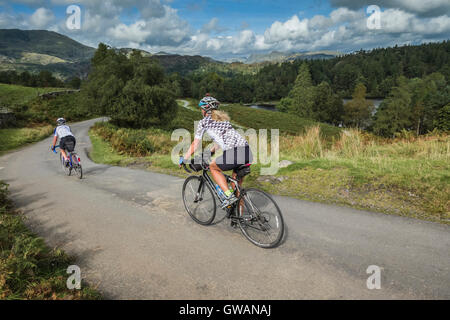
<point x="220" y="193"/>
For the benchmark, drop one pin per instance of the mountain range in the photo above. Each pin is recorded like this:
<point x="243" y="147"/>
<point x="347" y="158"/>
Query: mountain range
<point x="36" y="50"/>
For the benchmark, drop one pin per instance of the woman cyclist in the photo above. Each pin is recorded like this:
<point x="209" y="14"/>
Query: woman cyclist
<point x="236" y="150"/>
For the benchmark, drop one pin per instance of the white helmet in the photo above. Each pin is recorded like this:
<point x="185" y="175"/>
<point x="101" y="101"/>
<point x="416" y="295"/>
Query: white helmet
<point x="209" y="103"/>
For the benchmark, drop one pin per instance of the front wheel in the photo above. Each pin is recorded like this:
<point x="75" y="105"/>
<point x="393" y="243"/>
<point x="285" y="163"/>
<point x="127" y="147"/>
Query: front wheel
<point x="199" y="201"/>
<point x="260" y="219"/>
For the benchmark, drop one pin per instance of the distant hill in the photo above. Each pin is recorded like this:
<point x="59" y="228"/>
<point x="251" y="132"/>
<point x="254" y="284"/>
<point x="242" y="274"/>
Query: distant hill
<point x="276" y="56"/>
<point x="36" y="50"/>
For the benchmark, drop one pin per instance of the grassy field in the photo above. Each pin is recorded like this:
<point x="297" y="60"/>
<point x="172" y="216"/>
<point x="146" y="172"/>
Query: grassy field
<point x="35" y="117"/>
<point x="13" y="138"/>
<point x="246" y="117"/>
<point x="28" y="268"/>
<point x="11" y="94"/>
<point x="405" y="176"/>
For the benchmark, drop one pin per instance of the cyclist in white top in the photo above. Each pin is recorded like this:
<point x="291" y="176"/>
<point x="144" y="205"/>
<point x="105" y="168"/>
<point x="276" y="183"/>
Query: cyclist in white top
<point x="67" y="139"/>
<point x="236" y="150"/>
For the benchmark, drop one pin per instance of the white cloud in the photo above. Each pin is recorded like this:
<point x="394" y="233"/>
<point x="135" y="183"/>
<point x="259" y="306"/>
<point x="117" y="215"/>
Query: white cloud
<point x="293" y="29"/>
<point x="158" y="27"/>
<point x="41" y="18"/>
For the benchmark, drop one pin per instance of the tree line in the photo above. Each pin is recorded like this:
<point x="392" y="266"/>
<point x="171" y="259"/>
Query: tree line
<point x="42" y="79"/>
<point x="377" y="69"/>
<point x="419" y="104"/>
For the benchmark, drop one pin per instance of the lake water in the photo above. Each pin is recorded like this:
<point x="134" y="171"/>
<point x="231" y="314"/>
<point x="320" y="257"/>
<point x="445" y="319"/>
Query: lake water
<point x="271" y="107"/>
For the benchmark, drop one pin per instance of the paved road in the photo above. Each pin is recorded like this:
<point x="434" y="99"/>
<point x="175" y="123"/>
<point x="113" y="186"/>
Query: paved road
<point x="134" y="240"/>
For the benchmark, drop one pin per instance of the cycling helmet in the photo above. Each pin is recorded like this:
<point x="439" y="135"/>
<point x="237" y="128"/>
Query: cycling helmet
<point x="61" y="121"/>
<point x="209" y="103"/>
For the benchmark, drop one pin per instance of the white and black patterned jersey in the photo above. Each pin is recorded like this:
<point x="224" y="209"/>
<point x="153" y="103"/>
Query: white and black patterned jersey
<point x="62" y="131"/>
<point x="221" y="132"/>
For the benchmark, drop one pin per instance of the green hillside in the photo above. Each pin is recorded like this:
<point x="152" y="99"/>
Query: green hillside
<point x="37" y="50"/>
<point x="11" y="95"/>
<point x="14" y="42"/>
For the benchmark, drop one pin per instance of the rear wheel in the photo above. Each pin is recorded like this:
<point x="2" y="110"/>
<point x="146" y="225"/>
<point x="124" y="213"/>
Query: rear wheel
<point x="77" y="166"/>
<point x="260" y="219"/>
<point x="199" y="201"/>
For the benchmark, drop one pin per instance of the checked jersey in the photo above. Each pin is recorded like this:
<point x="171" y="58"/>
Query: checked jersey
<point x="222" y="133"/>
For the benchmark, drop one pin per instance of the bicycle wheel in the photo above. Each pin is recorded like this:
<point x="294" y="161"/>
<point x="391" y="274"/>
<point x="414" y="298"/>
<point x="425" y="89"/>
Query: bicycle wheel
<point x="77" y="166"/>
<point x="199" y="201"/>
<point x="260" y="219"/>
<point x="67" y="170"/>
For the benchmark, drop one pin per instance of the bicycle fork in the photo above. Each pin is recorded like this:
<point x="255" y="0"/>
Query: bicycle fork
<point x="198" y="195"/>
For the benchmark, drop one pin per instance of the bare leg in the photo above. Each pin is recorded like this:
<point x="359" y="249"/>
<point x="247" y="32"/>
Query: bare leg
<point x="218" y="176"/>
<point x="63" y="152"/>
<point x="240" y="181"/>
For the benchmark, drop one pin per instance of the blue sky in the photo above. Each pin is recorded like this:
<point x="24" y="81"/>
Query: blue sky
<point x="257" y="14"/>
<point x="232" y="29"/>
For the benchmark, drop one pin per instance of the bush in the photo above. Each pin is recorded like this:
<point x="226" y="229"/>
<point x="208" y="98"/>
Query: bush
<point x="135" y="142"/>
<point x="28" y="268"/>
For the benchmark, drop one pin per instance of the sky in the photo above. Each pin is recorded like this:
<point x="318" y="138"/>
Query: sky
<point x="229" y="29"/>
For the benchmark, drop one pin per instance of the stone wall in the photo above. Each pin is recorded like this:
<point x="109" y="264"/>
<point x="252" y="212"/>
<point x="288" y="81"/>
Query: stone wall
<point x="7" y="118"/>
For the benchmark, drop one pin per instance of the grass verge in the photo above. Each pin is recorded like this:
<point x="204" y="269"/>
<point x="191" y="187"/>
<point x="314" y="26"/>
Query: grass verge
<point x="28" y="268"/>
<point x="12" y="138"/>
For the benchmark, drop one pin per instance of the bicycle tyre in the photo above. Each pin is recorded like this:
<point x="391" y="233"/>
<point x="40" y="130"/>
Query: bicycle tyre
<point x="253" y="224"/>
<point x="192" y="183"/>
<point x="77" y="166"/>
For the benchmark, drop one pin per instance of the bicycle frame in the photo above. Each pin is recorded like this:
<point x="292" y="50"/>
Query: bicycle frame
<point x="69" y="155"/>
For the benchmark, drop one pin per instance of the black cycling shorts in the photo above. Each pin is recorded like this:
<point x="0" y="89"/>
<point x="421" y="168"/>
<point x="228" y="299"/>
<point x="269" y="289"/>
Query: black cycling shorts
<point x="68" y="143"/>
<point x="234" y="158"/>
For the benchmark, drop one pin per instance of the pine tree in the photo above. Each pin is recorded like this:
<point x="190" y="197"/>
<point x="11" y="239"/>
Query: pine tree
<point x="395" y="113"/>
<point x="301" y="98"/>
<point x="358" y="111"/>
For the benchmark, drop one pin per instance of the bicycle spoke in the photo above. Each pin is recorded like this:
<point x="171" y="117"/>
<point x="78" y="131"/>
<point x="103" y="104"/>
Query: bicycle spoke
<point x="265" y="226"/>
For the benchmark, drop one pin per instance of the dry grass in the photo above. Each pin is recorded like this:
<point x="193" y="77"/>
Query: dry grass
<point x="405" y="175"/>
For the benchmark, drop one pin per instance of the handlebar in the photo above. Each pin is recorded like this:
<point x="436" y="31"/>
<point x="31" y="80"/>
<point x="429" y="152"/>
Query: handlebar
<point x="186" y="168"/>
<point x="54" y="150"/>
<point x="205" y="160"/>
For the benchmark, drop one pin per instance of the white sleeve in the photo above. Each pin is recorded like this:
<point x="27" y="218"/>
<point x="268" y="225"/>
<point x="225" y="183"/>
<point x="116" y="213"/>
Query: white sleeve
<point x="200" y="130"/>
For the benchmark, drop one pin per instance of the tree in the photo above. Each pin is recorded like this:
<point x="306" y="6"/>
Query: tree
<point x="357" y="112"/>
<point x="74" y="83"/>
<point x="327" y="107"/>
<point x="443" y="119"/>
<point x="394" y="114"/>
<point x="132" y="91"/>
<point x="301" y="98"/>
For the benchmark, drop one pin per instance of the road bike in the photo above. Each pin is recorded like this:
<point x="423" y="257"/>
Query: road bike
<point x="256" y="212"/>
<point x="74" y="163"/>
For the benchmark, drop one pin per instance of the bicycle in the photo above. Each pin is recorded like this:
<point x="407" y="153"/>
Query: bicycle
<point x="73" y="164"/>
<point x="251" y="211"/>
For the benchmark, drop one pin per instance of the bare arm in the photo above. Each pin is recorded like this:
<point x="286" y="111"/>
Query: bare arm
<point x="192" y="148"/>
<point x="55" y="138"/>
<point x="214" y="149"/>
